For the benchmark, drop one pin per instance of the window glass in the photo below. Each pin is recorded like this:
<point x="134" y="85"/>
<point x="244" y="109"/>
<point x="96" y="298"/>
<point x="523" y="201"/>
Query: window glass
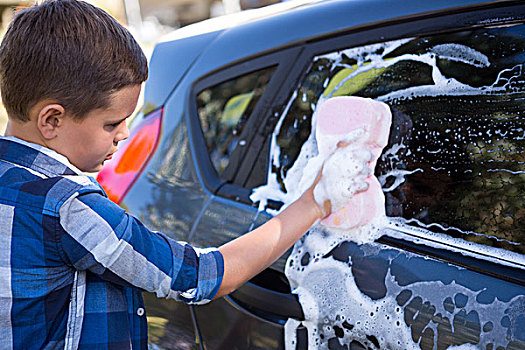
<point x="224" y="110"/>
<point x="455" y="160"/>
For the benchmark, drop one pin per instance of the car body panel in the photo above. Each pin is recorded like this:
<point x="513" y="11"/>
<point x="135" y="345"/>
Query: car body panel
<point x="442" y="304"/>
<point x="224" y="327"/>
<point x="170" y="324"/>
<point x="168" y="64"/>
<point x="222" y="220"/>
<point x="170" y="179"/>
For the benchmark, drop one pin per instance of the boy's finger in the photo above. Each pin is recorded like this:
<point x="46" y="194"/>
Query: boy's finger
<point x="318" y="178"/>
<point x="327" y="208"/>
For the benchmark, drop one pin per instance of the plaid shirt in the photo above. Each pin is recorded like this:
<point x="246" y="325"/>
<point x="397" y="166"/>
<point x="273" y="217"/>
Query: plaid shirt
<point x="73" y="264"/>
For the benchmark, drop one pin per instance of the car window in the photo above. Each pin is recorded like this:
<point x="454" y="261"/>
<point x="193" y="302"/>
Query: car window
<point x="223" y="111"/>
<point x="455" y="159"/>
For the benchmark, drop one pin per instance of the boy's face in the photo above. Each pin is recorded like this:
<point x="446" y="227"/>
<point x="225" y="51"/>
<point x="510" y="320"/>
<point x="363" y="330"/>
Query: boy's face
<point x="93" y="140"/>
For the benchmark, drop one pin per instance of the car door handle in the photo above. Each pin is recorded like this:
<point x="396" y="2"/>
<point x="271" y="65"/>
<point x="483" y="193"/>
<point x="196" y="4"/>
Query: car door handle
<point x="266" y="303"/>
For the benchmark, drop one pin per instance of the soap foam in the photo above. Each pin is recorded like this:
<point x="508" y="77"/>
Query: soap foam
<point x="323" y="314"/>
<point x="331" y="299"/>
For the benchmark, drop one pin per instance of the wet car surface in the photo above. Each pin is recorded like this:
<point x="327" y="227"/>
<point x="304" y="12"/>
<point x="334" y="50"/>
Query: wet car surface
<point x="227" y="123"/>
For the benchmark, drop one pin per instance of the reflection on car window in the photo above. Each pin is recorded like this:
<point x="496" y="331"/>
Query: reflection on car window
<point x="223" y="111"/>
<point x="455" y="160"/>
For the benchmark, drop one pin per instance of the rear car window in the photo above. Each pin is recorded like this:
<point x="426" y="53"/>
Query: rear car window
<point x="455" y="160"/>
<point x="224" y="110"/>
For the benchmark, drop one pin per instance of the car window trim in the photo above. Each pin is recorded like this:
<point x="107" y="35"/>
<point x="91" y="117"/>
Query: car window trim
<point x="469" y="16"/>
<point x="282" y="60"/>
<point x="473" y="260"/>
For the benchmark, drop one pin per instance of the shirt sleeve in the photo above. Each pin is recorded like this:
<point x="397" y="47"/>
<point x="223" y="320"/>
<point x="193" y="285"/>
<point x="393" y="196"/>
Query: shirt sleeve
<point x="99" y="236"/>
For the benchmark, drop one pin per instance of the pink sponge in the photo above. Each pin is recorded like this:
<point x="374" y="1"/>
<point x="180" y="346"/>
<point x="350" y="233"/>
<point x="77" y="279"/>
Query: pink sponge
<point x="364" y="124"/>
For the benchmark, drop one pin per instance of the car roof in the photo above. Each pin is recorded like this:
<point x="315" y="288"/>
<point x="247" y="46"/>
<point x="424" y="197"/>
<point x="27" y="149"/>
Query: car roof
<point x="214" y="43"/>
<point x="234" y="19"/>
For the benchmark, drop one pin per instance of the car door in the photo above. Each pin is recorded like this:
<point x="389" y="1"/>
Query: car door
<point x="448" y="269"/>
<point x="226" y="111"/>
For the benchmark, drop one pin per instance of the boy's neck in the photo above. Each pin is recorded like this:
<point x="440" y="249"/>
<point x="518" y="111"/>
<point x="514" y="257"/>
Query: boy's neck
<point x="25" y="131"/>
<point x="19" y="131"/>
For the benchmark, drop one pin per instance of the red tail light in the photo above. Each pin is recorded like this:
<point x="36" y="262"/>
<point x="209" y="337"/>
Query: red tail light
<point x="118" y="175"/>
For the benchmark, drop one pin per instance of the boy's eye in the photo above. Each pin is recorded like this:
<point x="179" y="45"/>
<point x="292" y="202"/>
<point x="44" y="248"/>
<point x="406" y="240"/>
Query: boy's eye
<point x="114" y="125"/>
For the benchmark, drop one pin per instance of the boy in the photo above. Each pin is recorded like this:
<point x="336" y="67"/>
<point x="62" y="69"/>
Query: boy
<point x="72" y="263"/>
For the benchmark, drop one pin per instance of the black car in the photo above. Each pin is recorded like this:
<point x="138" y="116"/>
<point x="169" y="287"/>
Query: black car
<point x="228" y="117"/>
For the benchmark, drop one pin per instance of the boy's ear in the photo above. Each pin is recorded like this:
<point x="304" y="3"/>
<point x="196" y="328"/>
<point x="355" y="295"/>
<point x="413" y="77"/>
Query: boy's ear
<point x="50" y="117"/>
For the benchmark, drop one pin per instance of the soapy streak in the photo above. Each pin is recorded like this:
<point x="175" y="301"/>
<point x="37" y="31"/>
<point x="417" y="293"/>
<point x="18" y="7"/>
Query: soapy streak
<point x="272" y="189"/>
<point x="453" y="86"/>
<point x="507" y="170"/>
<point x="412" y="220"/>
<point x="399" y="175"/>
<point x="461" y="53"/>
<point x="392" y="151"/>
<point x="400" y="228"/>
<point x="364" y="52"/>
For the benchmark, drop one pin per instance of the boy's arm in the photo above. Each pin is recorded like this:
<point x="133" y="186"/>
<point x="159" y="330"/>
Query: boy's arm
<point x="251" y="253"/>
<point x="99" y="236"/>
<point x="95" y="234"/>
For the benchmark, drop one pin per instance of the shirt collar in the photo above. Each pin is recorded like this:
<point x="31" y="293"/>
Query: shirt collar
<point x="35" y="157"/>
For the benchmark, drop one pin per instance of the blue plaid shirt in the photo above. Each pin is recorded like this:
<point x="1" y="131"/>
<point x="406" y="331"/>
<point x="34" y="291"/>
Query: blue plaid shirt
<point x="73" y="264"/>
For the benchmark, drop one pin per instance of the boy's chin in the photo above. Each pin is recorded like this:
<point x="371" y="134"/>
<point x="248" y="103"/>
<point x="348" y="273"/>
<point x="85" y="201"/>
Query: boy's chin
<point x="97" y="168"/>
<point x="91" y="169"/>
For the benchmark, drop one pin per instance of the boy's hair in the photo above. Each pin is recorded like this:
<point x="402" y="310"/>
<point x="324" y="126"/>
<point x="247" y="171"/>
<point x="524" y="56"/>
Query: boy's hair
<point x="68" y="51"/>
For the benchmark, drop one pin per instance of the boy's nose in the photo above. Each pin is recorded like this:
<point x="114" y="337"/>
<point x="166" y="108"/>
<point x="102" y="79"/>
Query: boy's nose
<point x="123" y="133"/>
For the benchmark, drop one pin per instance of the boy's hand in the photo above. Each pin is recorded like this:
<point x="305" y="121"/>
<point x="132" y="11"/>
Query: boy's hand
<point x="326" y="208"/>
<point x="348" y="169"/>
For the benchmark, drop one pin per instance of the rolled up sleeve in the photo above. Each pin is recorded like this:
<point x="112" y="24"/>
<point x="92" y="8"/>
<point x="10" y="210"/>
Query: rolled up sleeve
<point x="210" y="273"/>
<point x="99" y="236"/>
